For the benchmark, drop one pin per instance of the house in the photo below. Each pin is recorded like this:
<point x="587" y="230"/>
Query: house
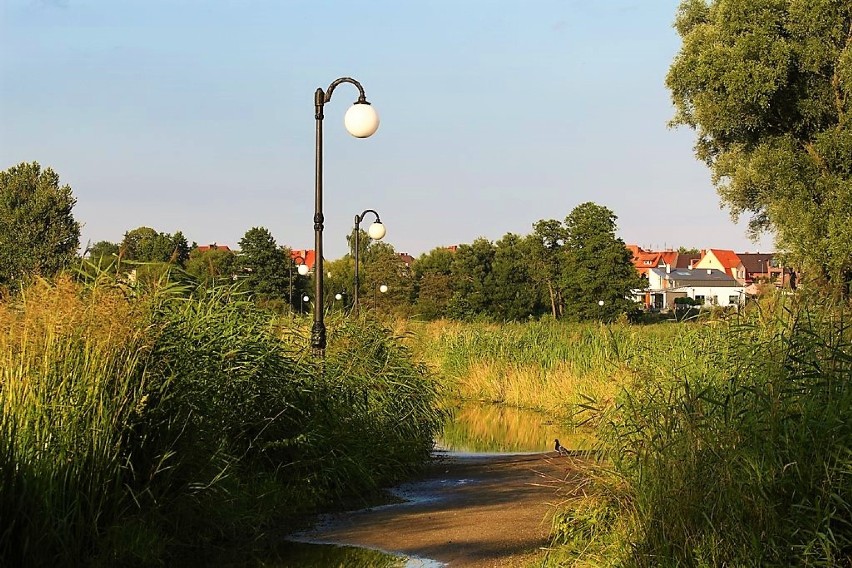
<point x="406" y="258"/>
<point x="646" y="260"/>
<point x="710" y="286"/>
<point x="304" y="256"/>
<point x="214" y="246"/>
<point x="724" y="260"/>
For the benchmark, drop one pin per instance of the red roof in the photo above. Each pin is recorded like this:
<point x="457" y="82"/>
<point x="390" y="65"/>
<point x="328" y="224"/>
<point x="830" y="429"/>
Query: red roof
<point x="214" y="246"/>
<point x="726" y="258"/>
<point x="303" y="256"/>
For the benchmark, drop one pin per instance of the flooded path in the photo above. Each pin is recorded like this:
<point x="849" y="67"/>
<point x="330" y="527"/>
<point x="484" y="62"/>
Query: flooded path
<point x="473" y="510"/>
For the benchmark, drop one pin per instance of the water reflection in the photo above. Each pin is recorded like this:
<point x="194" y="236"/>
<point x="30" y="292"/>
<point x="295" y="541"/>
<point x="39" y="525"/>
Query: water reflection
<point x="478" y="427"/>
<point x="290" y="554"/>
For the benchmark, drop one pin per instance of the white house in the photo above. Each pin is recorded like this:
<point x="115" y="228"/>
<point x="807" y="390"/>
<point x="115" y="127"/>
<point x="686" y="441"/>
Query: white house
<point x="710" y="286"/>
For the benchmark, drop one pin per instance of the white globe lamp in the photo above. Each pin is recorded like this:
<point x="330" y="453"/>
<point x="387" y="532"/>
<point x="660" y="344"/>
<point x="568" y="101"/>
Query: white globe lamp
<point x="376" y="231"/>
<point x="361" y="120"/>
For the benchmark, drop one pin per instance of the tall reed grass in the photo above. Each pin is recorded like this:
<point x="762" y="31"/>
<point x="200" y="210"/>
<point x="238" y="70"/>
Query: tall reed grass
<point x="545" y="365"/>
<point x="734" y="453"/>
<point x="141" y="420"/>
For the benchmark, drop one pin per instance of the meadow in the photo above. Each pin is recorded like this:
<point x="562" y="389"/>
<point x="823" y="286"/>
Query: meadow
<point x="717" y="442"/>
<point x="142" y="423"/>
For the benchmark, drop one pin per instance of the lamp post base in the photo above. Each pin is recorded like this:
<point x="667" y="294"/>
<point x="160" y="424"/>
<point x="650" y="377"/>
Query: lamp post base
<point x="318" y="337"/>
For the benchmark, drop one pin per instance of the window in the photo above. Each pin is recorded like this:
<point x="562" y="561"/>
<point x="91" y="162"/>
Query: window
<point x="699" y="299"/>
<point x="733" y="300"/>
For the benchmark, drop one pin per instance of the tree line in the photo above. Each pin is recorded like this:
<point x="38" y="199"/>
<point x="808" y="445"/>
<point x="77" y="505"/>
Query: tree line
<point x="575" y="268"/>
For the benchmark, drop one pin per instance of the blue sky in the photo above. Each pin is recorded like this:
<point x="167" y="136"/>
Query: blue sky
<point x="198" y="116"/>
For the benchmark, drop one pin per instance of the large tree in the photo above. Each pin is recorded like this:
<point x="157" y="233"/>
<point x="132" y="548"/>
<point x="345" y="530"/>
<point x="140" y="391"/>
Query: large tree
<point x="38" y="233"/>
<point x="264" y="264"/>
<point x="513" y="297"/>
<point x="433" y="283"/>
<point x="473" y="281"/>
<point x="767" y="85"/>
<point x="212" y="266"/>
<point x="599" y="274"/>
<point x="145" y="244"/>
<point x="546" y="259"/>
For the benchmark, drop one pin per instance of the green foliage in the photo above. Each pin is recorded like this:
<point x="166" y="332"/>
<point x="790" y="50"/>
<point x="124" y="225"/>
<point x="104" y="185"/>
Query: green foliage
<point x="433" y="283"/>
<point x="513" y="298"/>
<point x="145" y="244"/>
<point x="137" y="420"/>
<point x="736" y="453"/>
<point x="768" y="86"/>
<point x="212" y="266"/>
<point x="599" y="266"/>
<point x="103" y="253"/>
<point x="547" y="259"/>
<point x="38" y="233"/>
<point x="473" y="282"/>
<point x="263" y="265"/>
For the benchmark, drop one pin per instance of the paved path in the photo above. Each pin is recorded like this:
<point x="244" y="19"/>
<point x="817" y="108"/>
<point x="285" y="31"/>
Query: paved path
<point x="471" y="511"/>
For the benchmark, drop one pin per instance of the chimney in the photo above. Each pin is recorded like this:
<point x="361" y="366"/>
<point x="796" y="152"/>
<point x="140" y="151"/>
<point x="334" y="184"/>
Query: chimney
<point x="709" y="271"/>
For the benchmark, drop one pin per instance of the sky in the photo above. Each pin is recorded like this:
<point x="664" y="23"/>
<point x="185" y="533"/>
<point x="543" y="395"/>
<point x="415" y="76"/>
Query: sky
<point x="198" y="116"/>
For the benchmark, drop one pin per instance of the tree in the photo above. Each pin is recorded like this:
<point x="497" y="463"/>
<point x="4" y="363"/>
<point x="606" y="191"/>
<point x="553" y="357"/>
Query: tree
<point x="145" y="244"/>
<point x="38" y="233"/>
<point x="767" y="85"/>
<point x="263" y="264"/>
<point x="103" y="253"/>
<point x="472" y="279"/>
<point x="384" y="266"/>
<point x="547" y="257"/>
<point x="433" y="283"/>
<point x="211" y="266"/>
<point x="514" y="297"/>
<point x="599" y="266"/>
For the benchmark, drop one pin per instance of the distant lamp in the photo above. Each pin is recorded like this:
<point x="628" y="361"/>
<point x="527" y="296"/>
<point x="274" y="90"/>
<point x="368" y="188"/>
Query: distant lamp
<point x="383" y="288"/>
<point x="377" y="233"/>
<point x="303" y="269"/>
<point x="600" y="303"/>
<point x="338" y="296"/>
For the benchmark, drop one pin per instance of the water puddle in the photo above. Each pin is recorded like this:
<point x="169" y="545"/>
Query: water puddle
<point x="475" y="428"/>
<point x="472" y="429"/>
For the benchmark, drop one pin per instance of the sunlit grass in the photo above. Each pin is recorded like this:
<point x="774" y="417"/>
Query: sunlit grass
<point x="143" y="418"/>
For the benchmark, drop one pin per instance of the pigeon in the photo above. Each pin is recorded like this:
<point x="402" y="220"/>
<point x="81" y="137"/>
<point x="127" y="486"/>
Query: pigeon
<point x="560" y="449"/>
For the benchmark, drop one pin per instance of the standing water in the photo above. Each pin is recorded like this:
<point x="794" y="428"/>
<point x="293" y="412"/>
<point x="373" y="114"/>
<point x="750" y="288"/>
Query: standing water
<point x="494" y="428"/>
<point x="470" y="428"/>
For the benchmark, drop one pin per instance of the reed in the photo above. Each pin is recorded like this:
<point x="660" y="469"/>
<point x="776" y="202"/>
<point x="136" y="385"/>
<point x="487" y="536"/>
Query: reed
<point x="546" y="365"/>
<point x="737" y="452"/>
<point x="141" y="419"/>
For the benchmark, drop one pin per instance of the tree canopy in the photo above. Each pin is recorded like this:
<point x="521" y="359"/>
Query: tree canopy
<point x="767" y="85"/>
<point x="264" y="264"/>
<point x="600" y="274"/>
<point x="38" y="233"/>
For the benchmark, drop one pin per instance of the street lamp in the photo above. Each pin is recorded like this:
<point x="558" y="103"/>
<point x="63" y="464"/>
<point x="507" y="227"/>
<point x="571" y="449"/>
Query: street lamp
<point x="377" y="233"/>
<point x="302" y="269"/>
<point x="360" y="121"/>
<point x="305" y="298"/>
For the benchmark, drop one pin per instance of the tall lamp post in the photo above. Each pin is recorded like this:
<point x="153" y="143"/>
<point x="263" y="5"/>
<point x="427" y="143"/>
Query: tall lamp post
<point x="377" y="233"/>
<point x="360" y="121"/>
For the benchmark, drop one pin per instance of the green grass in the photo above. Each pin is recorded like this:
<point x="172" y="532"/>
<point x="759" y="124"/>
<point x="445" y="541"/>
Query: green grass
<point x="735" y="453"/>
<point x="719" y="442"/>
<point x="142" y="420"/>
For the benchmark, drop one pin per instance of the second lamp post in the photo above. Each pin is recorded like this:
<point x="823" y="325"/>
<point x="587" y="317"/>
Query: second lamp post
<point x="361" y="121"/>
<point x="377" y="233"/>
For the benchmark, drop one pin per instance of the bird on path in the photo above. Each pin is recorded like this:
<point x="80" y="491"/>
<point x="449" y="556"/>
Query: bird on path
<point x="560" y="449"/>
